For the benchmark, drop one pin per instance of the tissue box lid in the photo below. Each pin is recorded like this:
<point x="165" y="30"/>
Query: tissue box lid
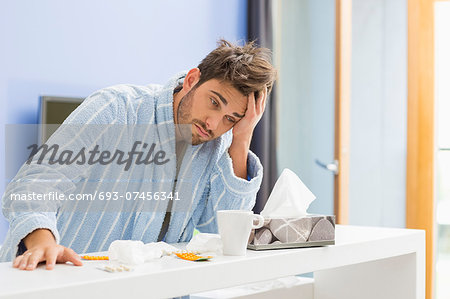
<point x="307" y="231"/>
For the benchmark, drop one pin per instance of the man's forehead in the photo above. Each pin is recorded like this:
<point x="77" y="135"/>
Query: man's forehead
<point x="227" y="93"/>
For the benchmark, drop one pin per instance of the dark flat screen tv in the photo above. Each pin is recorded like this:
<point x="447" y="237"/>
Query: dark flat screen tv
<point x="52" y="113"/>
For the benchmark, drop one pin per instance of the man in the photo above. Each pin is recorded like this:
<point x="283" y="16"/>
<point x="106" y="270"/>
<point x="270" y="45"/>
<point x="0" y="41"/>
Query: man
<point x="221" y="101"/>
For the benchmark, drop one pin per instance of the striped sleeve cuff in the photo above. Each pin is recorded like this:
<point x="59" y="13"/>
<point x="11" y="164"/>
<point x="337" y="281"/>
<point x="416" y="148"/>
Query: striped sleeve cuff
<point x="25" y="224"/>
<point x="238" y="185"/>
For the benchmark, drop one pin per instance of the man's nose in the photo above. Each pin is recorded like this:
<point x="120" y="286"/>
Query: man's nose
<point x="212" y="122"/>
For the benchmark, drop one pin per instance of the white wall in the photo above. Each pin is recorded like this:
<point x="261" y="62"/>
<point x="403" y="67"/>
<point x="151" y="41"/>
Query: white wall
<point x="378" y="113"/>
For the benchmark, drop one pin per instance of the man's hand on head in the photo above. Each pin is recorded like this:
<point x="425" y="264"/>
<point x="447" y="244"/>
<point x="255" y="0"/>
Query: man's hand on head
<point x="243" y="132"/>
<point x="42" y="247"/>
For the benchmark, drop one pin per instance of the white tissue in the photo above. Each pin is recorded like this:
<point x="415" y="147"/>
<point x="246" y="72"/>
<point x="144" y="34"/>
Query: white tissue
<point x="205" y="243"/>
<point x="136" y="252"/>
<point x="290" y="198"/>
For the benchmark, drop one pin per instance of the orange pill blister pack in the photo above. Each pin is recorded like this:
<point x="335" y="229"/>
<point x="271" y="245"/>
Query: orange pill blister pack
<point x="95" y="258"/>
<point x="189" y="256"/>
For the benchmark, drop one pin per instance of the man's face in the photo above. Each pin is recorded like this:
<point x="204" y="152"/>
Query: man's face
<point x="212" y="109"/>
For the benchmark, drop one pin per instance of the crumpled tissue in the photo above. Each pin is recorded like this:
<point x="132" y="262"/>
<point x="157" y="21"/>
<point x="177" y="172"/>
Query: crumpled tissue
<point x="205" y="243"/>
<point x="136" y="252"/>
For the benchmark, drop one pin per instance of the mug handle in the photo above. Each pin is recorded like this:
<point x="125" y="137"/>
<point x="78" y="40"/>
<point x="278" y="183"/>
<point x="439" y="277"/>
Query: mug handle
<point x="260" y="221"/>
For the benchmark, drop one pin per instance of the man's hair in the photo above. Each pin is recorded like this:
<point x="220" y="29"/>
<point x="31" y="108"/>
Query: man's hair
<point x="247" y="68"/>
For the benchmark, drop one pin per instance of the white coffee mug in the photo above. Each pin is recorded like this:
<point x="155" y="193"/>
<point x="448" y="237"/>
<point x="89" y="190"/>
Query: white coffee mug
<point x="234" y="229"/>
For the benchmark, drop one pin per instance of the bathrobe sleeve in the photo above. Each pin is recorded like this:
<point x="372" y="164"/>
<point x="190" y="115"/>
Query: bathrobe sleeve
<point x="226" y="191"/>
<point x="26" y="216"/>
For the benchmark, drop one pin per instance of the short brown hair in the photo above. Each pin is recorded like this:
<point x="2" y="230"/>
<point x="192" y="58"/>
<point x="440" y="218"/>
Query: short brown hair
<point x="248" y="68"/>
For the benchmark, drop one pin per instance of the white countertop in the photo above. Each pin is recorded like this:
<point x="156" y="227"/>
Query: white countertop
<point x="170" y="276"/>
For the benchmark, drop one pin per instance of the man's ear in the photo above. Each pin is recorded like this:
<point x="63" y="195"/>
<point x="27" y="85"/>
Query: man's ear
<point x="192" y="78"/>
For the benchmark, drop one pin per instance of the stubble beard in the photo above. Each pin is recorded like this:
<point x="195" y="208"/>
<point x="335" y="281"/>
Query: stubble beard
<point x="185" y="122"/>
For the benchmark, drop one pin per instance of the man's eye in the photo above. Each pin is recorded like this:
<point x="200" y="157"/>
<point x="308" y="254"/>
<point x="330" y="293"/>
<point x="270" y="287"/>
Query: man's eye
<point x="230" y="119"/>
<point x="214" y="102"/>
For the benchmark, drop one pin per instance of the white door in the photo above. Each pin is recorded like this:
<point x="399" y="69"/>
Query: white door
<point x="305" y="57"/>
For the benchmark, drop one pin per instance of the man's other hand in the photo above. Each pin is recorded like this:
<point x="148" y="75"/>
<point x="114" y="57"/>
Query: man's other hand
<point x="42" y="247"/>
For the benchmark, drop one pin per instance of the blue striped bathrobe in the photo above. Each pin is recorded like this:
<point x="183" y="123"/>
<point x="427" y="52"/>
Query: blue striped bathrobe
<point x="213" y="184"/>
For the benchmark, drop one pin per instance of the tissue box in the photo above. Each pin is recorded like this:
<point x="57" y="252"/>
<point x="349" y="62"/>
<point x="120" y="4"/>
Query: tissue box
<point x="307" y="231"/>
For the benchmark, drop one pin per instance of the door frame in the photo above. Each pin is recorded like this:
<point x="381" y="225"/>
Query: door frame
<point x="343" y="67"/>
<point x="420" y="175"/>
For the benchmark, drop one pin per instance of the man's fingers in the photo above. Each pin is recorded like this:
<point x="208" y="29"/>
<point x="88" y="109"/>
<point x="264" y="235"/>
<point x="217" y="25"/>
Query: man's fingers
<point x="251" y="108"/>
<point x="33" y="260"/>
<point x="262" y="102"/>
<point x="17" y="260"/>
<point x="50" y="256"/>
<point x="72" y="256"/>
<point x="24" y="261"/>
<point x="251" y="96"/>
<point x="263" y="94"/>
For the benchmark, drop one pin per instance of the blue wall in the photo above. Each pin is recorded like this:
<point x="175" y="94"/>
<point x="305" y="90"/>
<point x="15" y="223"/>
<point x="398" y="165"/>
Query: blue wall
<point x="72" y="48"/>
